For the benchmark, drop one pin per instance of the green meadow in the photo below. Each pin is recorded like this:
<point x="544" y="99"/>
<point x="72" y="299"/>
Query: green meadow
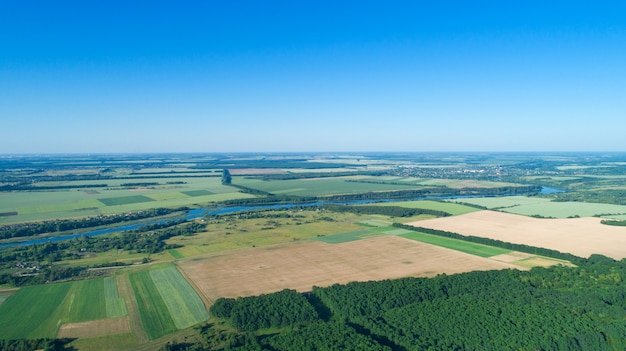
<point x="316" y="187"/>
<point x="166" y="301"/>
<point x="531" y="206"/>
<point x="454" y="244"/>
<point x="33" y="312"/>
<point x="80" y="202"/>
<point x="183" y="303"/>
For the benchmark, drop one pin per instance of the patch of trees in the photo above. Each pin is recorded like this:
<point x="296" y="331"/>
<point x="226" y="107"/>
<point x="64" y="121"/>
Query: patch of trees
<point x="497" y="243"/>
<point x="34" y="344"/>
<point x="35" y="228"/>
<point x="613" y="222"/>
<point x="555" y="308"/>
<point x="226" y="177"/>
<point x="276" y="310"/>
<point x="393" y="211"/>
<point x="607" y="196"/>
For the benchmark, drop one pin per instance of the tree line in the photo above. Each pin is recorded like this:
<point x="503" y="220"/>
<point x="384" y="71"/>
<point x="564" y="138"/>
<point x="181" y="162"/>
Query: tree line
<point x="60" y="225"/>
<point x="497" y="243"/>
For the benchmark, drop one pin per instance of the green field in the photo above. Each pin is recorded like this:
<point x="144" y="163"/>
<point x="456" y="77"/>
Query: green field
<point x="316" y="187"/>
<point x="115" y="305"/>
<point x="184" y="305"/>
<point x="155" y="316"/>
<point x="125" y="200"/>
<point x="449" y="207"/>
<point x="85" y="301"/>
<point x="454" y="244"/>
<point x="359" y="234"/>
<point x="71" y="203"/>
<point x="32" y="312"/>
<point x="530" y="206"/>
<point x="166" y="301"/>
<point x="197" y="192"/>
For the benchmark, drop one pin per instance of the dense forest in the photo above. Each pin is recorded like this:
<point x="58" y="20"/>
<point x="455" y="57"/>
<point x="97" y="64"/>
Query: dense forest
<point x="556" y="308"/>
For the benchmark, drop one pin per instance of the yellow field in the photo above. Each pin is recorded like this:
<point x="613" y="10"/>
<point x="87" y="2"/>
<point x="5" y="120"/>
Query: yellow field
<point x="579" y="236"/>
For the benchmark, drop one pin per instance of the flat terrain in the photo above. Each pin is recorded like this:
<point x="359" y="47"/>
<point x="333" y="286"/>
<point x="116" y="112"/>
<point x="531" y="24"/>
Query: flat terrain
<point x="538" y="206"/>
<point x="95" y="328"/>
<point x="578" y="236"/>
<point x="301" y="265"/>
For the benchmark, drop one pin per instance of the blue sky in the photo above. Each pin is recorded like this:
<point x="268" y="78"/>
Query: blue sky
<point x="219" y="76"/>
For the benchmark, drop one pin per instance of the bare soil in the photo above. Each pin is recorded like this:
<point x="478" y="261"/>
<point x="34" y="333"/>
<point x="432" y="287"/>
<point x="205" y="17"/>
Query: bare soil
<point x="301" y="265"/>
<point x="91" y="329"/>
<point x="579" y="236"/>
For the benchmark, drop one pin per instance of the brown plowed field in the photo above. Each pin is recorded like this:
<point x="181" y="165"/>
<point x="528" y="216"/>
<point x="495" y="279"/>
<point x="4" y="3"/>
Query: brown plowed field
<point x="96" y="328"/>
<point x="300" y="265"/>
<point x="579" y="236"/>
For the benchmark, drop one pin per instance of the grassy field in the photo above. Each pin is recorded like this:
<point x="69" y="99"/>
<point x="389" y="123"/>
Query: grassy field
<point x="31" y="312"/>
<point x="85" y="301"/>
<point x="359" y="234"/>
<point x="530" y="206"/>
<point x="155" y="315"/>
<point x="450" y="207"/>
<point x="115" y="305"/>
<point x="184" y="305"/>
<point x="72" y="203"/>
<point x="316" y="187"/>
<point x="125" y="200"/>
<point x="454" y="244"/>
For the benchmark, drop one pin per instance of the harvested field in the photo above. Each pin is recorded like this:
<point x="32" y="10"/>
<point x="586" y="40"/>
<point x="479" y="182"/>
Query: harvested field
<point x="301" y="265"/>
<point x="579" y="236"/>
<point x="95" y="328"/>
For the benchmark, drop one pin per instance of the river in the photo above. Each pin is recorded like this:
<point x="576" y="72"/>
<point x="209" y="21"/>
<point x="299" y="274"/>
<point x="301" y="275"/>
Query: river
<point x="212" y="211"/>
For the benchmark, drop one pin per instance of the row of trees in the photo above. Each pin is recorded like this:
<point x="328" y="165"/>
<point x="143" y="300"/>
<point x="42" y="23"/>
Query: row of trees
<point x="60" y="225"/>
<point x="497" y="243"/>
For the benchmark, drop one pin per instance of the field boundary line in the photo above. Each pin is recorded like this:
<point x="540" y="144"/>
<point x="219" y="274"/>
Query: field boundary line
<point x="205" y="300"/>
<point x="125" y="291"/>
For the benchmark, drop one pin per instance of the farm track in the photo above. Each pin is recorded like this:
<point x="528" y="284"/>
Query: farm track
<point x="126" y="292"/>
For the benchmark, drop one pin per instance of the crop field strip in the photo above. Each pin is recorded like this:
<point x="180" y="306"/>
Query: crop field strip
<point x="115" y="305"/>
<point x="85" y="301"/>
<point x="454" y="244"/>
<point x="184" y="305"/>
<point x="125" y="290"/>
<point x="155" y="316"/>
<point x="125" y="200"/>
